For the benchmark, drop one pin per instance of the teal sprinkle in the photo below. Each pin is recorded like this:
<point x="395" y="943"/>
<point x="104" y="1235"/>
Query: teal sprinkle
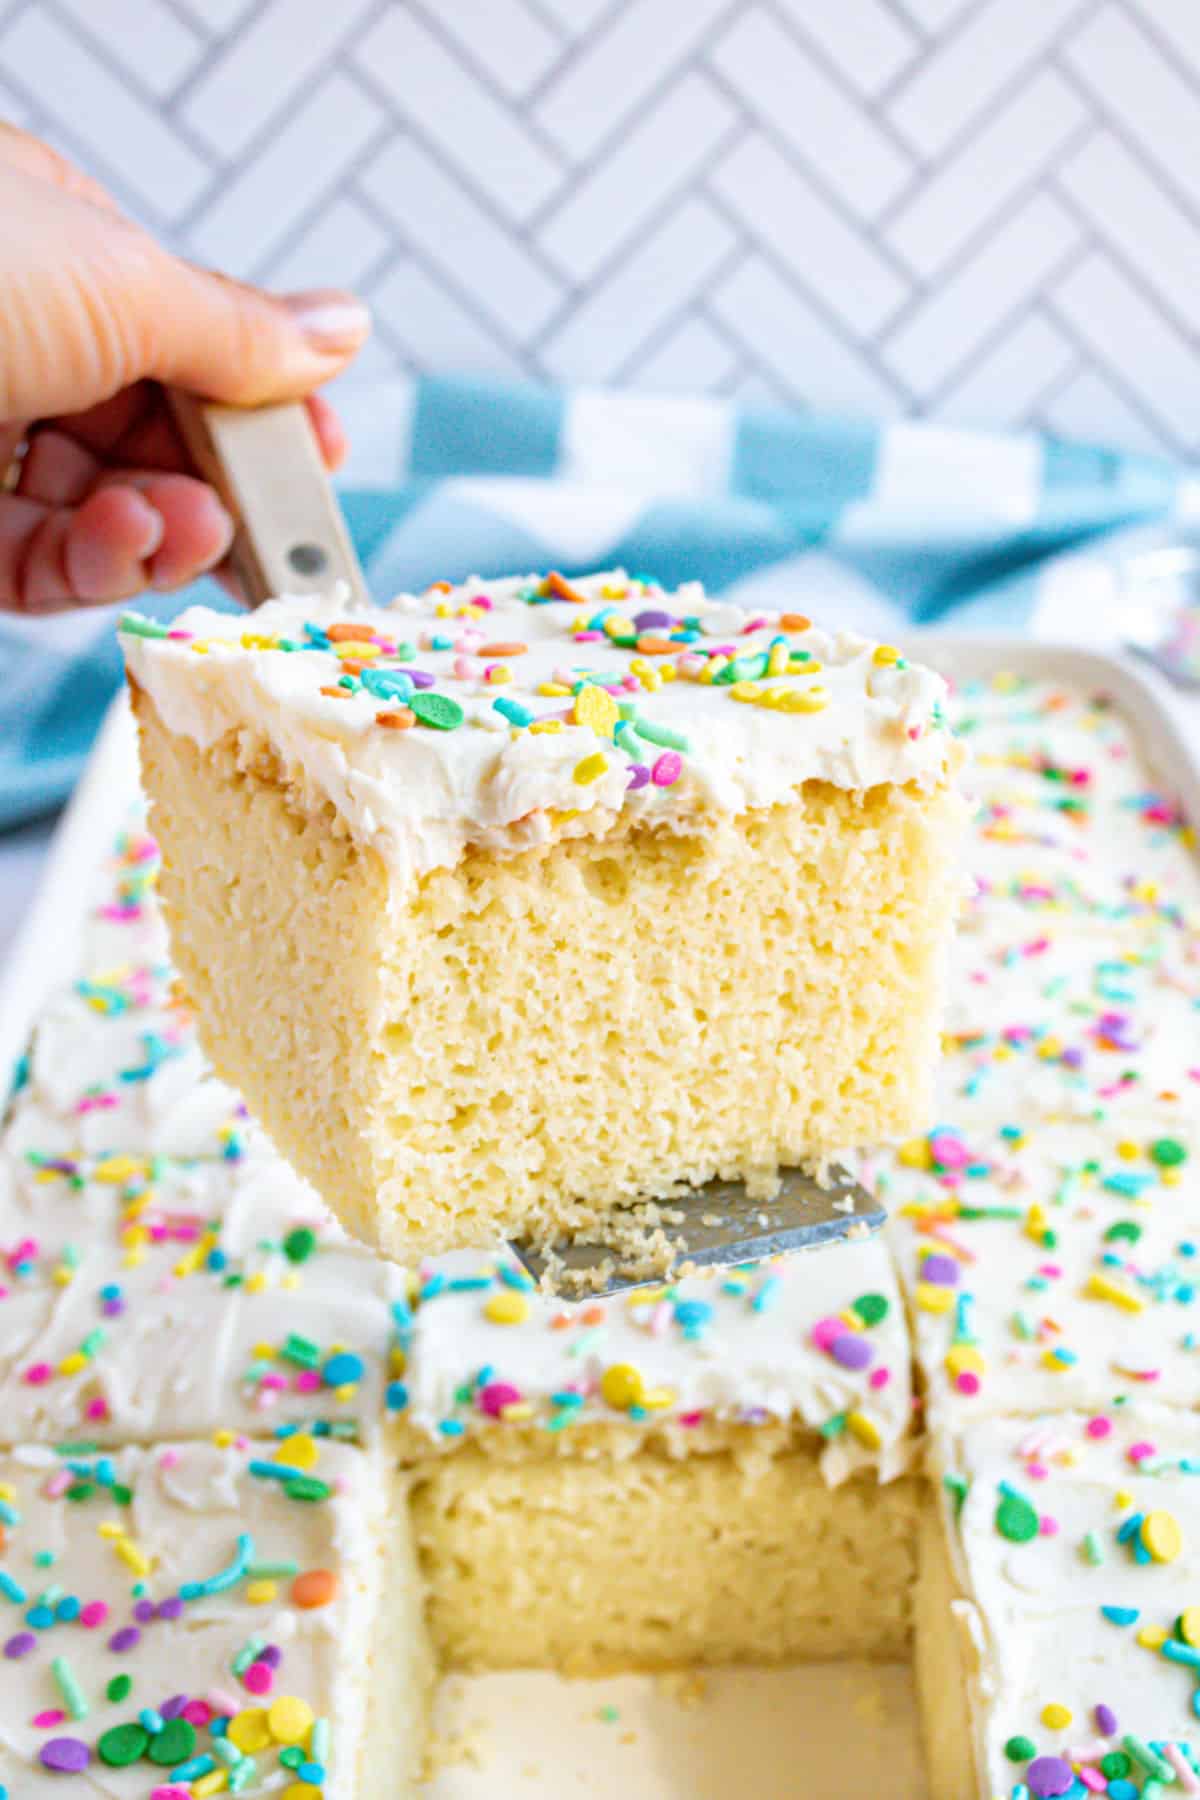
<point x="767" y="1294"/>
<point x="271" y="1471"/>
<point x="245" y="1772"/>
<point x="11" y="1589"/>
<point x="451" y="1427"/>
<point x="513" y="711"/>
<point x="150" y="1720"/>
<point x="515" y="1278"/>
<point x="225" y="1579"/>
<point x="319" y="1742"/>
<point x="73" y="1695"/>
<point x="192" y="1771"/>
<point x="1120" y="1615"/>
<point x="9" y="1514"/>
<point x="229" y="1753"/>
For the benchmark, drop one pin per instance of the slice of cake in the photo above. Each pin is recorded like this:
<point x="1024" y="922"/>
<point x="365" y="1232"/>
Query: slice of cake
<point x="511" y="903"/>
<point x="193" y="1620"/>
<point x="1058" y="1624"/>
<point x="710" y="1472"/>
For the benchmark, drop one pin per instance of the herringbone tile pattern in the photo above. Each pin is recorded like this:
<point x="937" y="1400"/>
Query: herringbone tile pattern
<point x="981" y="210"/>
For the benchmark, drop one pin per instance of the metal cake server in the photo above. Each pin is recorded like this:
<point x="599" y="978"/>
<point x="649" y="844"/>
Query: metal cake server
<point x="716" y="1226"/>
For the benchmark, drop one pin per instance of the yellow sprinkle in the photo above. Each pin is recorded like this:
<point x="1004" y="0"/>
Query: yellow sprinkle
<point x="217" y="1781"/>
<point x="223" y="1437"/>
<point x="864" y="1429"/>
<point x="296" y="1790"/>
<point x="916" y="1154"/>
<point x="851" y="1321"/>
<point x="1052" y="1363"/>
<point x="552" y="689"/>
<point x="1162" y="1536"/>
<point x="499" y="673"/>
<point x="262" y="1352"/>
<point x="397" y="1360"/>
<point x="254" y="1284"/>
<point x="805" y="700"/>
<point x="622" y="1385"/>
<point x="247" y="1731"/>
<point x="291" y="1281"/>
<point x="7" y="1491"/>
<point x="712" y="669"/>
<point x="965" y="1359"/>
<point x="596" y="709"/>
<point x="63" y="1276"/>
<point x="1103" y="1287"/>
<point x="1189" y="1625"/>
<point x="748" y="692"/>
<point x="131" y="1556"/>
<point x="1152" y="1637"/>
<point x="351" y="652"/>
<point x="199" y="646"/>
<point x="110" y="1529"/>
<point x="261" y="1593"/>
<point x="885" y="655"/>
<point x="516" y="1412"/>
<point x="288" y="1718"/>
<point x="1056" y="1717"/>
<point x="931" y="1298"/>
<point x="116" y="1168"/>
<point x="549" y="725"/>
<point x="298" y="1451"/>
<point x="778" y="660"/>
<point x="1170" y="1177"/>
<point x="656" y="1399"/>
<point x="73" y="1364"/>
<point x="590" y="769"/>
<point x="612" y="591"/>
<point x="508" y="1307"/>
<point x="1122" y="1499"/>
<point x="1128" y="1150"/>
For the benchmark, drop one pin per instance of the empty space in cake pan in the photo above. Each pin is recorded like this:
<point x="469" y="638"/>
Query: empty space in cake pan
<point x="831" y="1729"/>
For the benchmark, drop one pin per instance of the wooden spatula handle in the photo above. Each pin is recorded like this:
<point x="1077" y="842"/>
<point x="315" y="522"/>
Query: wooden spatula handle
<point x="265" y="464"/>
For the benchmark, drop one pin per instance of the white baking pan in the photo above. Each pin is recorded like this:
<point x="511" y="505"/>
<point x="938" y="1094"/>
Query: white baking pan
<point x="845" y="1730"/>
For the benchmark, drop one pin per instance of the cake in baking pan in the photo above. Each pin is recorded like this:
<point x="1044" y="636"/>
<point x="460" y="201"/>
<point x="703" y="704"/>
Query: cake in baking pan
<point x="511" y="903"/>
<point x="973" y="1441"/>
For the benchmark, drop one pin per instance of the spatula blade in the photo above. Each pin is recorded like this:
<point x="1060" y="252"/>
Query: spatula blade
<point x="718" y="1226"/>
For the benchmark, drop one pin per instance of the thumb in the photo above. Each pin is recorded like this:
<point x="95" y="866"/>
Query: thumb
<point x="233" y="343"/>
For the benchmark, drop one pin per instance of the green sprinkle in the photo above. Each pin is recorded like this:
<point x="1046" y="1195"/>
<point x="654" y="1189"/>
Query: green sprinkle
<point x="174" y="1743"/>
<point x="1149" y="1759"/>
<point x="1092" y="1550"/>
<point x="299" y="1245"/>
<point x="436" y="710"/>
<point x="307" y="1487"/>
<point x="122" y="1745"/>
<point x="119" y="1688"/>
<point x="1115" y="1766"/>
<point x="1168" y="1153"/>
<point x="957" y="1487"/>
<point x="833" y="1426"/>
<point x="301" y="1350"/>
<point x="1020" y="1749"/>
<point x="872" y="1309"/>
<point x="247" y="1654"/>
<point x="660" y="735"/>
<point x="1016" y="1518"/>
<point x="74" y="1698"/>
<point x="136" y="625"/>
<point x="272" y="1571"/>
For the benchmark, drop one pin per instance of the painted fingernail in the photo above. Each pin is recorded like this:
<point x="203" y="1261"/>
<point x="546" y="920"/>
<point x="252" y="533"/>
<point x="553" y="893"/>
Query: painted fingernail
<point x="331" y="320"/>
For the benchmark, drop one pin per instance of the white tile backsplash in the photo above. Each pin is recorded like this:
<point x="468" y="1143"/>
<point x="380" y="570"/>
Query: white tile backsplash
<point x="983" y="210"/>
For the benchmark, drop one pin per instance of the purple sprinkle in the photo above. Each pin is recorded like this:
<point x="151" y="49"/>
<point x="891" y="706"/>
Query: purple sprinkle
<point x="125" y="1639"/>
<point x="1072" y="1059"/>
<point x="272" y="1656"/>
<point x="1048" y="1776"/>
<point x="20" y="1645"/>
<point x="68" y="1756"/>
<point x="652" y="620"/>
<point x="639" y="775"/>
<point x="171" y="1608"/>
<point x="420" y="678"/>
<point x="852" y="1350"/>
<point x="171" y="1709"/>
<point x="144" y="1611"/>
<point x="941" y="1271"/>
<point x="1106" y="1721"/>
<point x="112" y="1309"/>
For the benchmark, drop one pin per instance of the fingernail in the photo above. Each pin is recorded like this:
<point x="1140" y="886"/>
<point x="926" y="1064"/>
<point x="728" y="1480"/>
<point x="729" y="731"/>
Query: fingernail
<point x="331" y="320"/>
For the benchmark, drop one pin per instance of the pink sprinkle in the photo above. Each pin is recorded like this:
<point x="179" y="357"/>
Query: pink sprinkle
<point x="494" y="1396"/>
<point x="168" y="1459"/>
<point x="37" y="1374"/>
<point x="667" y="770"/>
<point x="25" y="1251"/>
<point x="94" y="1614"/>
<point x="950" y="1151"/>
<point x="96" y="1409"/>
<point x="308" y="1381"/>
<point x="464" y="668"/>
<point x="170" y="1793"/>
<point x="587" y="637"/>
<point x="1099" y="1427"/>
<point x="483" y="601"/>
<point x="1036" y="1471"/>
<point x="967" y="1383"/>
<point x="630" y="685"/>
<point x="826" y="1331"/>
<point x="277" y="1383"/>
<point x="879" y="1378"/>
<point x="1093" y="1780"/>
<point x="179" y="637"/>
<point x="257" y="1678"/>
<point x="691" y="1418"/>
<point x="1051" y="1271"/>
<point x="689" y="663"/>
<point x="198" y="1713"/>
<point x="1139" y="1452"/>
<point x="44" y="1721"/>
<point x="58" y="1483"/>
<point x="1047" y="1526"/>
<point x="660" y="1318"/>
<point x="223" y="1702"/>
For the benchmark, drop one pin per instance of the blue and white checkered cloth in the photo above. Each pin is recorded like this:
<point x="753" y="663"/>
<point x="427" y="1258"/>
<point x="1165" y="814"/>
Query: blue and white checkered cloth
<point x="880" y="527"/>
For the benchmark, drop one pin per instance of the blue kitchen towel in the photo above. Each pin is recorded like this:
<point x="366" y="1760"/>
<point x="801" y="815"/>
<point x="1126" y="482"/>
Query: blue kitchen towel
<point x="879" y="526"/>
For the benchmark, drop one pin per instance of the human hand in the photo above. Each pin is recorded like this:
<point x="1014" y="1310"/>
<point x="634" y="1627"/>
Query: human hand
<point x="95" y="315"/>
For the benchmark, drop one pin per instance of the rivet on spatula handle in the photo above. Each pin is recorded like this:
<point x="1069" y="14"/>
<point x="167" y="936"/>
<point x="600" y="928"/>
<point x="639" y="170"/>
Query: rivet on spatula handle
<point x="265" y="463"/>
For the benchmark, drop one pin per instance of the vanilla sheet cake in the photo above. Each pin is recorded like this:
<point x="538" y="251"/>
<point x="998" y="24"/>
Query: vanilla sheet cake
<point x="517" y="901"/>
<point x="722" y="1468"/>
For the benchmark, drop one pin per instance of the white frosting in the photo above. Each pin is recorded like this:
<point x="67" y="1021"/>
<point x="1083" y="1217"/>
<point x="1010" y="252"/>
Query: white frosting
<point x="187" y="1508"/>
<point x="1034" y="1607"/>
<point x="780" y="1341"/>
<point x="1069" y="1090"/>
<point x="423" y="795"/>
